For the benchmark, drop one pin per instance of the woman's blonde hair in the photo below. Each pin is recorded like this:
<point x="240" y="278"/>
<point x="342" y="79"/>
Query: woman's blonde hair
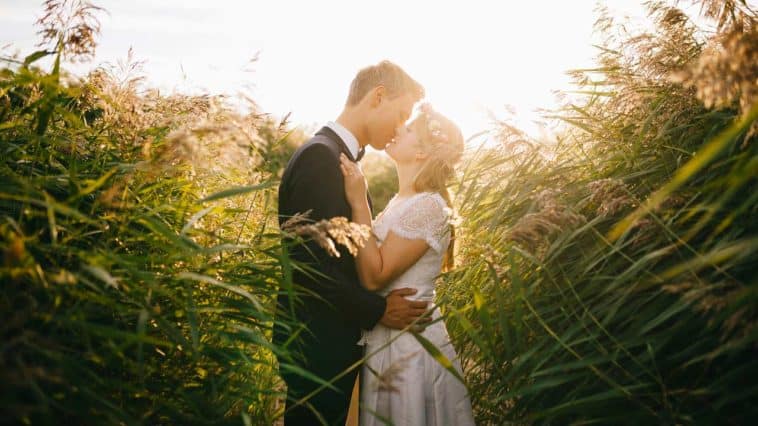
<point x="443" y="142"/>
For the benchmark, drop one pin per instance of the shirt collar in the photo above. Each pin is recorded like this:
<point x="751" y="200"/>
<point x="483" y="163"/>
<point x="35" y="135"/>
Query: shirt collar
<point x="350" y="141"/>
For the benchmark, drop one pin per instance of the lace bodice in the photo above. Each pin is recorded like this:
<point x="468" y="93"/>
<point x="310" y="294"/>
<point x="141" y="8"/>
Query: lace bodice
<point x="421" y="216"/>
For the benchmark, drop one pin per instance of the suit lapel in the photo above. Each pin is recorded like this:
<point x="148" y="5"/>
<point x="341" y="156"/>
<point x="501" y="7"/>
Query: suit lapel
<point x="329" y="133"/>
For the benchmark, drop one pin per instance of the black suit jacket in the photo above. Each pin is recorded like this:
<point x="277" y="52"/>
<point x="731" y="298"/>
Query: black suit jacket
<point x="313" y="181"/>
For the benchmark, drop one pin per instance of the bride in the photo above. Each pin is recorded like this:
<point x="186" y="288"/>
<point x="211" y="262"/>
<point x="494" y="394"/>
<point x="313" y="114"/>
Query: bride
<point x="411" y="240"/>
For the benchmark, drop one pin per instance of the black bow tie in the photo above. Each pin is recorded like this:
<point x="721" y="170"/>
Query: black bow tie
<point x="361" y="151"/>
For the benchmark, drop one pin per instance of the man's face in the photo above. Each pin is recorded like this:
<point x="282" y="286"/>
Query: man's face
<point x="387" y="117"/>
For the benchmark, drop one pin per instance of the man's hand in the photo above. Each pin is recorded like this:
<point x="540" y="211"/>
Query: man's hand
<point x="401" y="312"/>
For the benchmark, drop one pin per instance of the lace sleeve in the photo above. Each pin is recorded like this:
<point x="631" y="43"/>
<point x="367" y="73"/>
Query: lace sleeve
<point x="426" y="218"/>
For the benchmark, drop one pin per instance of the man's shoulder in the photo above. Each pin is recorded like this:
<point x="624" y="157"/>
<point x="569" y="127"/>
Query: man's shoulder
<point x="318" y="144"/>
<point x="318" y="151"/>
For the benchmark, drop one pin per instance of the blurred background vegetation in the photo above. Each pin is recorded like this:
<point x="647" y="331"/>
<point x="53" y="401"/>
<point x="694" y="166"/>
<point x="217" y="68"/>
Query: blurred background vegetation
<point x="382" y="179"/>
<point x="607" y="276"/>
<point x="613" y="270"/>
<point x="140" y="253"/>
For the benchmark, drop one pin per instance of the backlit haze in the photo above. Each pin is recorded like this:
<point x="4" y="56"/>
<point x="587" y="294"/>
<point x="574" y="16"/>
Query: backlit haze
<point x="473" y="57"/>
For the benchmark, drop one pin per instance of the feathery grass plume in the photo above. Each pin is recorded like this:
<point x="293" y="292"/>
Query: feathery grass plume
<point x="328" y="231"/>
<point x="297" y="219"/>
<point x="727" y="14"/>
<point x="726" y="71"/>
<point x="533" y="229"/>
<point x="510" y="137"/>
<point x="715" y="299"/>
<point x="70" y="27"/>
<point x="699" y="293"/>
<point x="611" y="196"/>
<point x="386" y="380"/>
<point x="642" y="232"/>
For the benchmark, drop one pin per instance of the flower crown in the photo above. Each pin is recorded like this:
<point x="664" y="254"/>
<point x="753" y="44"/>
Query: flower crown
<point x="432" y="124"/>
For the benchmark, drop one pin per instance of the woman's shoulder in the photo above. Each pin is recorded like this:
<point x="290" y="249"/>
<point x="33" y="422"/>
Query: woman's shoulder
<point x="432" y="199"/>
<point x="423" y="203"/>
<point x="427" y="206"/>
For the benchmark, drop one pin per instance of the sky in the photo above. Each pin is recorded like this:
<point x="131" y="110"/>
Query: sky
<point x="475" y="58"/>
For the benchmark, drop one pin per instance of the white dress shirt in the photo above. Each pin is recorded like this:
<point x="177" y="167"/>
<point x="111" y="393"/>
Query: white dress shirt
<point x="346" y="136"/>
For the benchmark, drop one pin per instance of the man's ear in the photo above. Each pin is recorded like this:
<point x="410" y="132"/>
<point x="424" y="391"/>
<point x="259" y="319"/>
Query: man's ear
<point x="377" y="95"/>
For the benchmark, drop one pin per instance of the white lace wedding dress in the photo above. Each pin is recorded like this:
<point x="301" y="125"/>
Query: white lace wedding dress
<point x="401" y="383"/>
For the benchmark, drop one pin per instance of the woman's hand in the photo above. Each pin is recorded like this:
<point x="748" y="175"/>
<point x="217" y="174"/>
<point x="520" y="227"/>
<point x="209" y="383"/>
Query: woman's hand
<point x="355" y="182"/>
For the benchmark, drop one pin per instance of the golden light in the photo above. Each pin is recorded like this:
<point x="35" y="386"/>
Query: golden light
<point x="473" y="57"/>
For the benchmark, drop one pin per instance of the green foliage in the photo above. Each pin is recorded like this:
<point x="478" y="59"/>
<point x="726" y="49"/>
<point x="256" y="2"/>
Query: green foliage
<point x="607" y="277"/>
<point x="613" y="272"/>
<point x="136" y="288"/>
<point x="382" y="179"/>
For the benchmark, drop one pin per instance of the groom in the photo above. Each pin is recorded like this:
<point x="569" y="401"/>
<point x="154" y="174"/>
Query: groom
<point x="381" y="99"/>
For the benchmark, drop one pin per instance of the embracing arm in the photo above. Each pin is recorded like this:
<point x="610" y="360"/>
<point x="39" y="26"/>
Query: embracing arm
<point x="417" y="230"/>
<point x="378" y="266"/>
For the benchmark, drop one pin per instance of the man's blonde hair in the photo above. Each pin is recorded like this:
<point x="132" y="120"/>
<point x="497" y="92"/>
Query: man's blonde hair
<point x="394" y="79"/>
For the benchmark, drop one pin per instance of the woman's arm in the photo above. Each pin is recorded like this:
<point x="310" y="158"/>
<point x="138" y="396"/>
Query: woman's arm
<point x="377" y="266"/>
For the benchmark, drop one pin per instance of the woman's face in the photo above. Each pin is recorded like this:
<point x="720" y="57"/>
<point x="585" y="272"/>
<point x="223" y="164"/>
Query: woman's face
<point x="405" y="146"/>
